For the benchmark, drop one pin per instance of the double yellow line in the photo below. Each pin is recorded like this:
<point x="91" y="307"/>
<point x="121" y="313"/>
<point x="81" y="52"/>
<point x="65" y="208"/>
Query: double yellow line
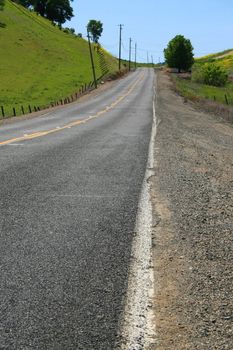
<point x="75" y="123"/>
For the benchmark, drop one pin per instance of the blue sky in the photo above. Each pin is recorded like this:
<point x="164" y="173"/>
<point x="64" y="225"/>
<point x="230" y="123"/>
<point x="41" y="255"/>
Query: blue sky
<point x="152" y="23"/>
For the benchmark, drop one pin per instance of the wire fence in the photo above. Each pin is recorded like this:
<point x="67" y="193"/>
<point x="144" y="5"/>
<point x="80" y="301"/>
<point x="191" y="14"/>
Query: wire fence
<point x="224" y="98"/>
<point x="8" y="112"/>
<point x="19" y="110"/>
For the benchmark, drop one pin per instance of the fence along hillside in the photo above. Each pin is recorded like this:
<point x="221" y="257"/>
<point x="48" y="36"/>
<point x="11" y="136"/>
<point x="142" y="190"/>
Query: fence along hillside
<point x="40" y="65"/>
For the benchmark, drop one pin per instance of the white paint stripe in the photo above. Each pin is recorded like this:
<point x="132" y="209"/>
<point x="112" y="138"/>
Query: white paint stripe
<point x="85" y="195"/>
<point x="135" y="327"/>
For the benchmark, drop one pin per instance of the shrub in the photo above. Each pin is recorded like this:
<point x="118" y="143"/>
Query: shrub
<point x="197" y="74"/>
<point x="214" y="75"/>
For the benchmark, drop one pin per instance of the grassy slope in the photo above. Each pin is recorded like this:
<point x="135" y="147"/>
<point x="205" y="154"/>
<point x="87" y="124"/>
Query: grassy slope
<point x="193" y="90"/>
<point x="215" y="55"/>
<point x="38" y="62"/>
<point x="224" y="59"/>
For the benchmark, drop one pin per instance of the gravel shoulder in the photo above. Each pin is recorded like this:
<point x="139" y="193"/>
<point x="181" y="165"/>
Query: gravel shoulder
<point x="192" y="197"/>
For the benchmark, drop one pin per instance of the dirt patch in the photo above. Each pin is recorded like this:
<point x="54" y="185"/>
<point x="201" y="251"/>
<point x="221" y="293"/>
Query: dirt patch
<point x="192" y="194"/>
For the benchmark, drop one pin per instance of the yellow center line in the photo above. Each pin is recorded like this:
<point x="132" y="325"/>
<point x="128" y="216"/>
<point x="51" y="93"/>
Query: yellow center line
<point x="76" y="122"/>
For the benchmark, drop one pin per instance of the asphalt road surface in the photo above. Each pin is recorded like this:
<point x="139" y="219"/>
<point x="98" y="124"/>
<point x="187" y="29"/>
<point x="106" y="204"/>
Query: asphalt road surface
<point x="70" y="182"/>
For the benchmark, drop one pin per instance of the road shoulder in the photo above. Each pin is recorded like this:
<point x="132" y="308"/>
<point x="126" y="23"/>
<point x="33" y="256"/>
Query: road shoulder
<point x="192" y="242"/>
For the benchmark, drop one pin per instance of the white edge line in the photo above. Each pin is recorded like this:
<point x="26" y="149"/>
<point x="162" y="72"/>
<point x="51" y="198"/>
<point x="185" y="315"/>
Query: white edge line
<point x="137" y="328"/>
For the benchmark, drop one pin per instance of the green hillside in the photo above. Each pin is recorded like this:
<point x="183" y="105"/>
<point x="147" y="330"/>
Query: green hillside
<point x="39" y="63"/>
<point x="224" y="59"/>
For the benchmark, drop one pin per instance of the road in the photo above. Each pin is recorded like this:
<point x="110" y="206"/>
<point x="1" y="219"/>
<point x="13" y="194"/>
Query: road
<point x="70" y="182"/>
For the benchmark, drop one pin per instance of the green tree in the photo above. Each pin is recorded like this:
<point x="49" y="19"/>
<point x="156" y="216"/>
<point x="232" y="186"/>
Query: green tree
<point x="59" y="11"/>
<point x="179" y="53"/>
<point x="40" y="6"/>
<point x="95" y="28"/>
<point x="2" y="3"/>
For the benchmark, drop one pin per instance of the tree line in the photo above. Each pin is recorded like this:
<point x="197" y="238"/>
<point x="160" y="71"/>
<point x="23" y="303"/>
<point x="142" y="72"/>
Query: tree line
<point x="58" y="11"/>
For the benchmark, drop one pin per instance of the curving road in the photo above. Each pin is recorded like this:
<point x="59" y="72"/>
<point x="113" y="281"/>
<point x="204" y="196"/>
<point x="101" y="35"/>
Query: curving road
<point x="69" y="188"/>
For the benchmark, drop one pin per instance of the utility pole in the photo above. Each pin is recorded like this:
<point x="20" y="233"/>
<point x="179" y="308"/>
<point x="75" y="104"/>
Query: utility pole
<point x="147" y="57"/>
<point x="135" y="60"/>
<point x="121" y="26"/>
<point x="130" y="42"/>
<point x="92" y="61"/>
<point x="152" y="61"/>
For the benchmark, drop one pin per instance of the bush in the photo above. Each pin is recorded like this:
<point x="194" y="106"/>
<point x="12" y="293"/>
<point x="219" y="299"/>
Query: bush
<point x="69" y="31"/>
<point x="197" y="74"/>
<point x="210" y="74"/>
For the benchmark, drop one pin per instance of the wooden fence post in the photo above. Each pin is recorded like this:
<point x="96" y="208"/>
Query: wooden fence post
<point x="3" y="113"/>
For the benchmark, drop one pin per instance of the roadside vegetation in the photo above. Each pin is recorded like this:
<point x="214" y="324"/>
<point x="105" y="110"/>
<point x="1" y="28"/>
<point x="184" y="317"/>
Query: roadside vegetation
<point x="39" y="63"/>
<point x="211" y="80"/>
<point x="208" y="78"/>
<point x="194" y="91"/>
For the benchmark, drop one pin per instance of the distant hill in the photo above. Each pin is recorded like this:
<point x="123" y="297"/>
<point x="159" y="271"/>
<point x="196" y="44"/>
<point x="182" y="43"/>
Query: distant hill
<point x="39" y="63"/>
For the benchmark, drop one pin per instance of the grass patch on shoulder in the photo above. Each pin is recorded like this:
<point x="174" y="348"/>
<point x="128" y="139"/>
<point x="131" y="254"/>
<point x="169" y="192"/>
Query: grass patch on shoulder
<point x="193" y="91"/>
